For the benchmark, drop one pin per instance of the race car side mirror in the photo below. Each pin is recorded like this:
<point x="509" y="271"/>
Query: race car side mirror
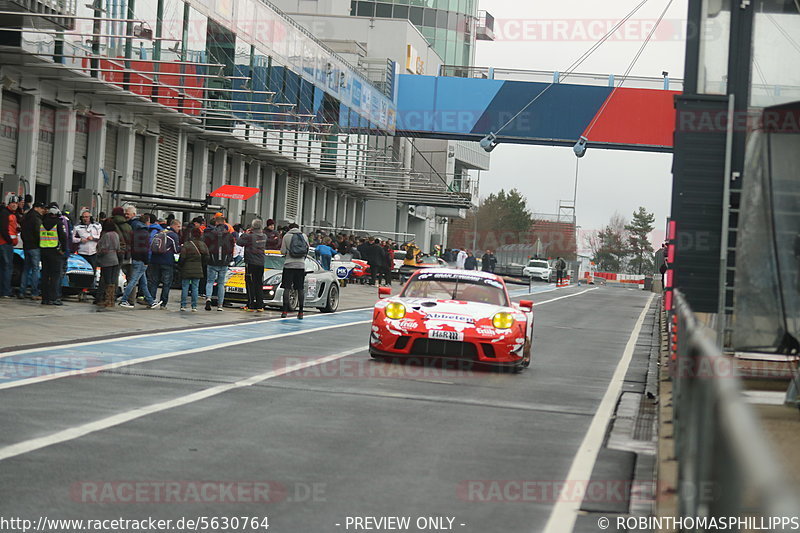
<point x="384" y="292"/>
<point x="526" y="304"/>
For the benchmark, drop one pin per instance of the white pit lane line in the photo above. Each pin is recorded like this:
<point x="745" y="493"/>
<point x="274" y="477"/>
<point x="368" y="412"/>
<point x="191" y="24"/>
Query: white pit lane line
<point x="565" y="511"/>
<point x="76" y="432"/>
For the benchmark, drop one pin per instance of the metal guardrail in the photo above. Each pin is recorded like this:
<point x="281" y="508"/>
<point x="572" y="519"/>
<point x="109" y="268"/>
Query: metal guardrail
<point x="726" y="466"/>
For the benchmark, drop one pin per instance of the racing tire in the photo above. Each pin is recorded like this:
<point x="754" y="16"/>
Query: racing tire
<point x="332" y="301"/>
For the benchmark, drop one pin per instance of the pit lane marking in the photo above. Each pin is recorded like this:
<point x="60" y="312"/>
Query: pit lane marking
<point x="565" y="511"/>
<point x="117" y="353"/>
<point x="83" y="430"/>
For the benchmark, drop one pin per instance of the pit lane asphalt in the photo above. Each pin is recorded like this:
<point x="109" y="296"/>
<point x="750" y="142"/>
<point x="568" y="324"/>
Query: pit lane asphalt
<point x="375" y="438"/>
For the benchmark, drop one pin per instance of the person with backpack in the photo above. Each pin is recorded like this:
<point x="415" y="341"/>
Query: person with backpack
<point x="254" y="243"/>
<point x="140" y="258"/>
<point x="220" y="243"/>
<point x="166" y="244"/>
<point x="561" y="266"/>
<point x="295" y="249"/>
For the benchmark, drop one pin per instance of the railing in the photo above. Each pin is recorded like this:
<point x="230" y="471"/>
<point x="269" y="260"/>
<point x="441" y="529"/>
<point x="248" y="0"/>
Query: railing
<point x="726" y="466"/>
<point x="550" y="76"/>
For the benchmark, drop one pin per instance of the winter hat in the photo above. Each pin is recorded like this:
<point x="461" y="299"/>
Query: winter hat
<point x="54" y="210"/>
<point x="118" y="212"/>
<point x="12" y="199"/>
<point x="270" y="222"/>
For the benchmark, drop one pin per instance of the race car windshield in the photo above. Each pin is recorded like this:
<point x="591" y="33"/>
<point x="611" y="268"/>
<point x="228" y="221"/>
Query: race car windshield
<point x="538" y="264"/>
<point x="481" y="290"/>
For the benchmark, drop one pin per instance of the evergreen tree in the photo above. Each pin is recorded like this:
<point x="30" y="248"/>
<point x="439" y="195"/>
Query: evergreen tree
<point x="640" y="247"/>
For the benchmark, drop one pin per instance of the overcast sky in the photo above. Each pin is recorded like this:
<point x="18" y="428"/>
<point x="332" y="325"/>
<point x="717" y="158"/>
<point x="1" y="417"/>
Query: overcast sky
<point x="609" y="180"/>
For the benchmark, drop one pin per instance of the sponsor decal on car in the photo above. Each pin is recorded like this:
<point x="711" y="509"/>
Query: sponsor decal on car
<point x="407" y="324"/>
<point x="450" y="318"/>
<point x="486" y="332"/>
<point x="444" y="335"/>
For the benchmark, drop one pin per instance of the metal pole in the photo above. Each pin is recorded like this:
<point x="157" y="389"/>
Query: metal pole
<point x="97" y="30"/>
<point x="575" y="207"/>
<point x="726" y="217"/>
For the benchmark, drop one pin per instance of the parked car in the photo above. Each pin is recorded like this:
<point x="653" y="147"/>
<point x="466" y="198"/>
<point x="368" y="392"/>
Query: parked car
<point x="539" y="269"/>
<point x="79" y="278"/>
<point x="321" y="286"/>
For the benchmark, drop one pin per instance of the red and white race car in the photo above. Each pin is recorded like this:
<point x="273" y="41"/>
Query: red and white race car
<point x="453" y="314"/>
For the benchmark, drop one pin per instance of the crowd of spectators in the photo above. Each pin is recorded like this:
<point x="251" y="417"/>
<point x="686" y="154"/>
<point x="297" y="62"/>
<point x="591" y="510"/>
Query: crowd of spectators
<point x="144" y="247"/>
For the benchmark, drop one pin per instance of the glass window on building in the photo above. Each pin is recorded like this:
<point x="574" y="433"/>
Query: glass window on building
<point x="430" y="18"/>
<point x="366" y="9"/>
<point x="441" y="19"/>
<point x="383" y="10"/>
<point x="417" y="16"/>
<point x="400" y="12"/>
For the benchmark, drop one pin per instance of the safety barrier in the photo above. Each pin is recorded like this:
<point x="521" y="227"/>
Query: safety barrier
<point x="726" y="466"/>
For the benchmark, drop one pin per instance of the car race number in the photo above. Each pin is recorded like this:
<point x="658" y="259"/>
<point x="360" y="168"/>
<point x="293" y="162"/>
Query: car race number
<point x="446" y="335"/>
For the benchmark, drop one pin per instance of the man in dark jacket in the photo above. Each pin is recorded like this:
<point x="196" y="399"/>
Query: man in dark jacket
<point x="8" y="239"/>
<point x="488" y="261"/>
<point x="162" y="264"/>
<point x="53" y="244"/>
<point x="376" y="258"/>
<point x="140" y="258"/>
<point x="33" y="253"/>
<point x="220" y="243"/>
<point x="471" y="262"/>
<point x="254" y="243"/>
<point x="273" y="237"/>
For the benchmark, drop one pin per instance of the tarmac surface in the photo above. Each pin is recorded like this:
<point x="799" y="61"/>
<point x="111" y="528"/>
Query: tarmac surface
<point x="173" y="415"/>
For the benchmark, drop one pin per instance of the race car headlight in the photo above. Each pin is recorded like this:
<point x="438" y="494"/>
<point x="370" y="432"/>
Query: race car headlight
<point x="395" y="310"/>
<point x="274" y="280"/>
<point x="503" y="320"/>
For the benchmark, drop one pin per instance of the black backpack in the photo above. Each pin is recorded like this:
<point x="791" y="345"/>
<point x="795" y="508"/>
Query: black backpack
<point x="298" y="247"/>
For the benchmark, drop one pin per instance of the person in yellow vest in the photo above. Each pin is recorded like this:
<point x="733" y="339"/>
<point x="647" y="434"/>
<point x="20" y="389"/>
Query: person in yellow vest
<point x="53" y="243"/>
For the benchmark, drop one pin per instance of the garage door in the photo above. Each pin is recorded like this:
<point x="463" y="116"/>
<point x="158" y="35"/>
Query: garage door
<point x="166" y="174"/>
<point x="81" y="143"/>
<point x="9" y="132"/>
<point x="47" y="136"/>
<point x="138" y="163"/>
<point x="292" y="196"/>
<point x="110" y="164"/>
<point x="187" y="175"/>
